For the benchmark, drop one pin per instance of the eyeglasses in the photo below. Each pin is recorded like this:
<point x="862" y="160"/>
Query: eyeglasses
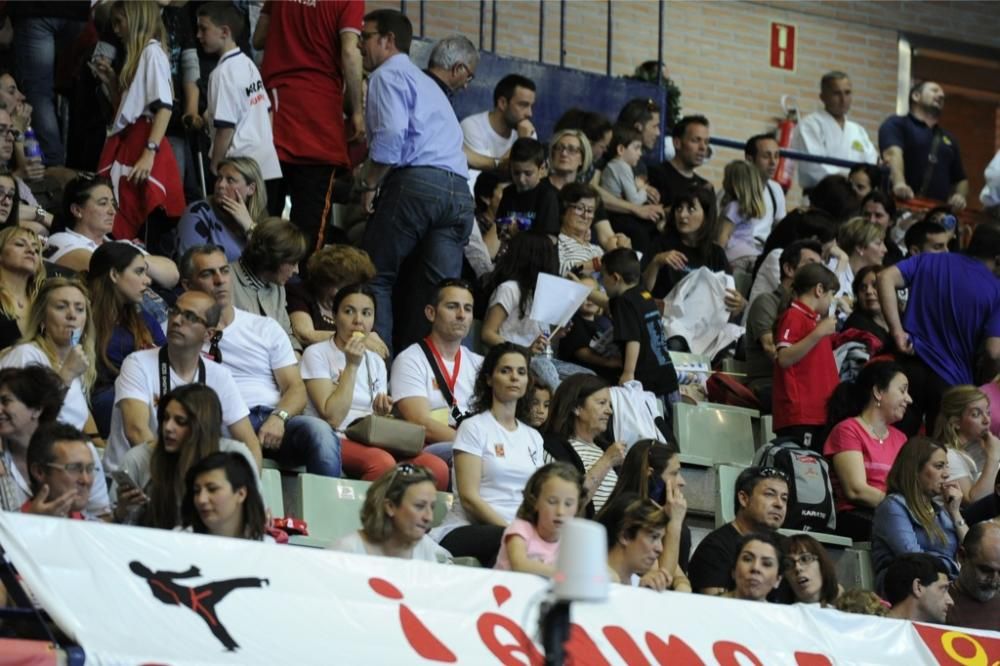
<point x="189" y="317"/>
<point x="566" y="148"/>
<point x="583" y="211"/>
<point x="213" y="347"/>
<point x="805" y="559"/>
<point x="10" y="131"/>
<point x="7" y="195"/>
<point x="74" y="469"/>
<point x="468" y="72"/>
<point x="772" y="473"/>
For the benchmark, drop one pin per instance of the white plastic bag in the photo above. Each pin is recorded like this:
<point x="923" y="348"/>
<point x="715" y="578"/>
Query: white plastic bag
<point x="695" y="309"/>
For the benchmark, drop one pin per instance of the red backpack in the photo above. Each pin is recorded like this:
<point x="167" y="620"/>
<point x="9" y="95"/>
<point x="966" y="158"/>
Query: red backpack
<point x="724" y="389"/>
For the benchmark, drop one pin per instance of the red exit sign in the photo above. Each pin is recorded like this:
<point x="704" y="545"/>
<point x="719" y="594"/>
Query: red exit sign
<point x="783" y="46"/>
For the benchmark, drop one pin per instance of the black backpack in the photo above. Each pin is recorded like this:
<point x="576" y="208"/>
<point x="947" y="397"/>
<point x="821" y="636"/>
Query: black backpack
<point x="810" y="495"/>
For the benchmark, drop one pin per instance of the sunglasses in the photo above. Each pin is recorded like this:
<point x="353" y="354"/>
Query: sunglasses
<point x="213" y="347"/>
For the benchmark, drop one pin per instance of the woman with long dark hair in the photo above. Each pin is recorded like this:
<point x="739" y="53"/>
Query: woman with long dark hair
<point x="221" y="498"/>
<point x="495" y="455"/>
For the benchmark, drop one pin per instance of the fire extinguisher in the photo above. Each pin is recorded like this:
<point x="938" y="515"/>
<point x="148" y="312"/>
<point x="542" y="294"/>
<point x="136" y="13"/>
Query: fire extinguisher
<point x="783" y="174"/>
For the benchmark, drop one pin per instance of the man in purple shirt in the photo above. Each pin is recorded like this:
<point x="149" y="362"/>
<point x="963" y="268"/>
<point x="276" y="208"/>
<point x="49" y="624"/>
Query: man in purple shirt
<point x="418" y="171"/>
<point x="952" y="315"/>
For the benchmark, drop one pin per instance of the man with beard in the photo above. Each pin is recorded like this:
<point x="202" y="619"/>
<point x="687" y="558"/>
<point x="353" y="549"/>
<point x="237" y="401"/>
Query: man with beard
<point x="976" y="591"/>
<point x="489" y="135"/>
<point x="677" y="175"/>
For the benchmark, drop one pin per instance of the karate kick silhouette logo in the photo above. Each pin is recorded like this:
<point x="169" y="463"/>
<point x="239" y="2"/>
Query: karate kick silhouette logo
<point x="201" y="599"/>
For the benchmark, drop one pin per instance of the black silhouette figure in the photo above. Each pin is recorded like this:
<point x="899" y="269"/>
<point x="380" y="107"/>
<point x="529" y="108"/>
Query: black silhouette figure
<point x="200" y="599"/>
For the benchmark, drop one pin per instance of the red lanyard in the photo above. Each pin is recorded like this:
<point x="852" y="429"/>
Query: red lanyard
<point x="450" y="381"/>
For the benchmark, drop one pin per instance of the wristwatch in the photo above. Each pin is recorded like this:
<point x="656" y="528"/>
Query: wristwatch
<point x="281" y="414"/>
<point x="40" y="215"/>
<point x="155" y="147"/>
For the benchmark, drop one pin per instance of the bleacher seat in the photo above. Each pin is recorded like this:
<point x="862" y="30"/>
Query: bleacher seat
<point x="270" y="487"/>
<point x="709" y="433"/>
<point x="267" y="463"/>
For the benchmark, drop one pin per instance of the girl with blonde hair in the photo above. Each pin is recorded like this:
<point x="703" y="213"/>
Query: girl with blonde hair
<point x="742" y="215"/>
<point x="963" y="425"/>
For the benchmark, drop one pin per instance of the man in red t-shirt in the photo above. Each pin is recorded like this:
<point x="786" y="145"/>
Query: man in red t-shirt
<point x="311" y="53"/>
<point x="805" y="374"/>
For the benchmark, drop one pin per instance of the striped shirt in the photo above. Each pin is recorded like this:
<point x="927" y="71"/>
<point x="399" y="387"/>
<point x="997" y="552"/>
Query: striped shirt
<point x="589" y="455"/>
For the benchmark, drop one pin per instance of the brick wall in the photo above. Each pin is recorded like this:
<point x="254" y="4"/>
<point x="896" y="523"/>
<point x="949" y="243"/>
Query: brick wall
<point x="717" y="52"/>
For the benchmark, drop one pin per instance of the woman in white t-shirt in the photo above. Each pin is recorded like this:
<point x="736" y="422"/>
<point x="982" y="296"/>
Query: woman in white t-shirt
<point x="346" y="381"/>
<point x="397" y="512"/>
<point x="963" y="425"/>
<point x="59" y="335"/>
<point x="495" y="455"/>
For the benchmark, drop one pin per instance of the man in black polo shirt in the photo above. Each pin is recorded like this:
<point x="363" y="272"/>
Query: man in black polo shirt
<point x="676" y="176"/>
<point x="923" y="158"/>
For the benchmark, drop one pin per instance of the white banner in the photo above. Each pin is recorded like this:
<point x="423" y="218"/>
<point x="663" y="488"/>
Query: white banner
<point x="131" y="595"/>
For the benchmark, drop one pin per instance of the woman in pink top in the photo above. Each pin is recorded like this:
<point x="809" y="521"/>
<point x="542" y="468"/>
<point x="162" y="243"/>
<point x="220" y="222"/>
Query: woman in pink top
<point x="862" y="443"/>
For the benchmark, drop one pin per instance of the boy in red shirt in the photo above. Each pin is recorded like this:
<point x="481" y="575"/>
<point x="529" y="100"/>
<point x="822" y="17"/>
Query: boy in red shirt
<point x="805" y="374"/>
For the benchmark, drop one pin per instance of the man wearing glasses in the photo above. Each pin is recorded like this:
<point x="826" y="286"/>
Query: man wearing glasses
<point x="761" y="501"/>
<point x="62" y="470"/>
<point x="976" y="591"/>
<point x="30" y="214"/>
<point x="415" y="162"/>
<point x="148" y="374"/>
<point x="452" y="64"/>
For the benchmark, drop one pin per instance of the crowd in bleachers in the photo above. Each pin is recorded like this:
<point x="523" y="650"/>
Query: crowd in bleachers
<point x="161" y="344"/>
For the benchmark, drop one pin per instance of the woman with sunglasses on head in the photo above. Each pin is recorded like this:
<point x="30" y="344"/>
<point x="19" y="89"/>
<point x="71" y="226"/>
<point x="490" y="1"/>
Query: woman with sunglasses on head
<point x="117" y="279"/>
<point x="221" y="498"/>
<point x="810" y="574"/>
<point x="395" y="517"/>
<point x="21" y="276"/>
<point x="652" y="470"/>
<point x="494" y="456"/>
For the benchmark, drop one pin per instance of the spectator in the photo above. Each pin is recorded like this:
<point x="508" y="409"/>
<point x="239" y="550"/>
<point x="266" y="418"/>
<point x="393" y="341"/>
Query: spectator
<point x="809" y="571"/>
<point x="29" y="213"/>
<point x="59" y="334"/>
<point x="397" y="513"/>
<point x="310" y="302"/>
<point x="21" y="276"/>
<point x="85" y="223"/>
<point x="923" y="157"/>
<point x="576" y="252"/>
<point x="189" y="428"/>
<point x="619" y="180"/>
<point x="760" y="500"/>
<point x="963" y="425"/>
<point x="926" y="236"/>
<point x="484" y="244"/>
<point x="148" y="374"/>
<point x="688" y="243"/>
<point x="916" y="584"/>
<point x="265" y="369"/>
<point x="946" y="321"/>
<point x="185" y="71"/>
<point x="31" y="397"/>
<point x="532" y="202"/>
<point x="227" y="219"/>
<point x="865" y="178"/>
<point x="864" y="244"/>
<point x="742" y="213"/>
<point x="269" y="261"/>
<point x="975" y="591"/>
<point x="489" y="135"/>
<point x="238" y="114"/>
<point x="452" y="64"/>
<point x="423" y="154"/>
<point x="828" y="132"/>
<point x="419" y="395"/>
<point x="312" y="70"/>
<point x="10" y="208"/>
<point x="676" y="177"/>
<point x="643" y="115"/>
<point x="761" y="350"/>
<point x="346" y="381"/>
<point x="867" y="313"/>
<point x="805" y="372"/>
<point x="597" y="128"/>
<point x="589" y="341"/>
<point x="990" y="194"/>
<point x="757" y="567"/>
<point x="221" y="498"/>
<point x="62" y="471"/>
<point x="117" y="279"/>
<point x="863" y="444"/>
<point x="638" y="328"/>
<point x="635" y="530"/>
<point x="879" y="208"/>
<point x="862" y="602"/>
<point x="652" y="470"/>
<point x="921" y="512"/>
<point x="534" y="410"/>
<point x="137" y="144"/>
<point x="530" y="544"/>
<point x="835" y="195"/>
<point x="762" y="151"/>
<point x="574" y="433"/>
<point x="495" y="454"/>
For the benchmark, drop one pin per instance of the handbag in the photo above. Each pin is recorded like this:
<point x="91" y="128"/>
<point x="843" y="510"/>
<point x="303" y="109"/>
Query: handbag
<point x="386" y="432"/>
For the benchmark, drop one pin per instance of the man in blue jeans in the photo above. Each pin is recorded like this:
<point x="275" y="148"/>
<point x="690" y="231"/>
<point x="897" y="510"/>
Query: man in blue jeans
<point x="417" y="167"/>
<point x="259" y="355"/>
